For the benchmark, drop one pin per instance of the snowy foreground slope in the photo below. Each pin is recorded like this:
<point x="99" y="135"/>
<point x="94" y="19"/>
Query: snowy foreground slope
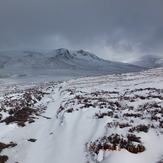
<point x="112" y="118"/>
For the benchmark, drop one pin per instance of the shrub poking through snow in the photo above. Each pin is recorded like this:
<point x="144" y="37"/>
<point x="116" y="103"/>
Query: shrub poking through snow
<point x="3" y="158"/>
<point x="117" y="142"/>
<point x="140" y="128"/>
<point x="32" y="140"/>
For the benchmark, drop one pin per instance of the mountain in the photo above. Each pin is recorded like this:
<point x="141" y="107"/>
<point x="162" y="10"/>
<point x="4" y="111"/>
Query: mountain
<point x="60" y="64"/>
<point x="149" y="61"/>
<point x="101" y="119"/>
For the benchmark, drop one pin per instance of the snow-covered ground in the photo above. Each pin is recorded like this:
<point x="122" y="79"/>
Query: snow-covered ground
<point x="111" y="118"/>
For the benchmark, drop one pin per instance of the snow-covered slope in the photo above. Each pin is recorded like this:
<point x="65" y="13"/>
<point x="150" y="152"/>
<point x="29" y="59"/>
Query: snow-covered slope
<point x="110" y="118"/>
<point x="149" y="61"/>
<point x="57" y="64"/>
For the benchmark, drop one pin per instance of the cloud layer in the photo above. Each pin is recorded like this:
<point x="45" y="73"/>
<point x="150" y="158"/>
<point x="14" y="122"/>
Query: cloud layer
<point x="113" y="29"/>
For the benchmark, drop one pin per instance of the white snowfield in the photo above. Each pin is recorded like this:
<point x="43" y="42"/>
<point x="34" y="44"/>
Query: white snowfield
<point x="83" y="120"/>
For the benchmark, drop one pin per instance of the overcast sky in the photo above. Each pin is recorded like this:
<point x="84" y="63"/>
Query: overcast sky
<point x="111" y="29"/>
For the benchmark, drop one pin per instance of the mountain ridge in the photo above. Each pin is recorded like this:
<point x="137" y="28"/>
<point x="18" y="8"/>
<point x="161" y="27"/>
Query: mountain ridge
<point x="59" y="63"/>
<point x="149" y="61"/>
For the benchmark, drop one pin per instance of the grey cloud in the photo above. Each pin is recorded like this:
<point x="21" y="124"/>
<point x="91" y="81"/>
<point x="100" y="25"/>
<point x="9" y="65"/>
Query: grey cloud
<point x="124" y="25"/>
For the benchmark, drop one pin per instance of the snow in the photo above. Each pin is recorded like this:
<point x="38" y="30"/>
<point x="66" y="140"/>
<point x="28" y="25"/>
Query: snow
<point x="148" y="61"/>
<point x="100" y="156"/>
<point x="66" y="135"/>
<point x="56" y="65"/>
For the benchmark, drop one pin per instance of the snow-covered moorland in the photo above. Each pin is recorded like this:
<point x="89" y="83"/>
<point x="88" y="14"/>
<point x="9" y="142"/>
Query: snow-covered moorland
<point x="112" y="118"/>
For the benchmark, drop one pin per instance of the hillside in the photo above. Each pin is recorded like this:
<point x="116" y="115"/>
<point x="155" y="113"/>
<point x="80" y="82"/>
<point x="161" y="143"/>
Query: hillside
<point x="149" y="61"/>
<point x="60" y="64"/>
<point x="110" y="118"/>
